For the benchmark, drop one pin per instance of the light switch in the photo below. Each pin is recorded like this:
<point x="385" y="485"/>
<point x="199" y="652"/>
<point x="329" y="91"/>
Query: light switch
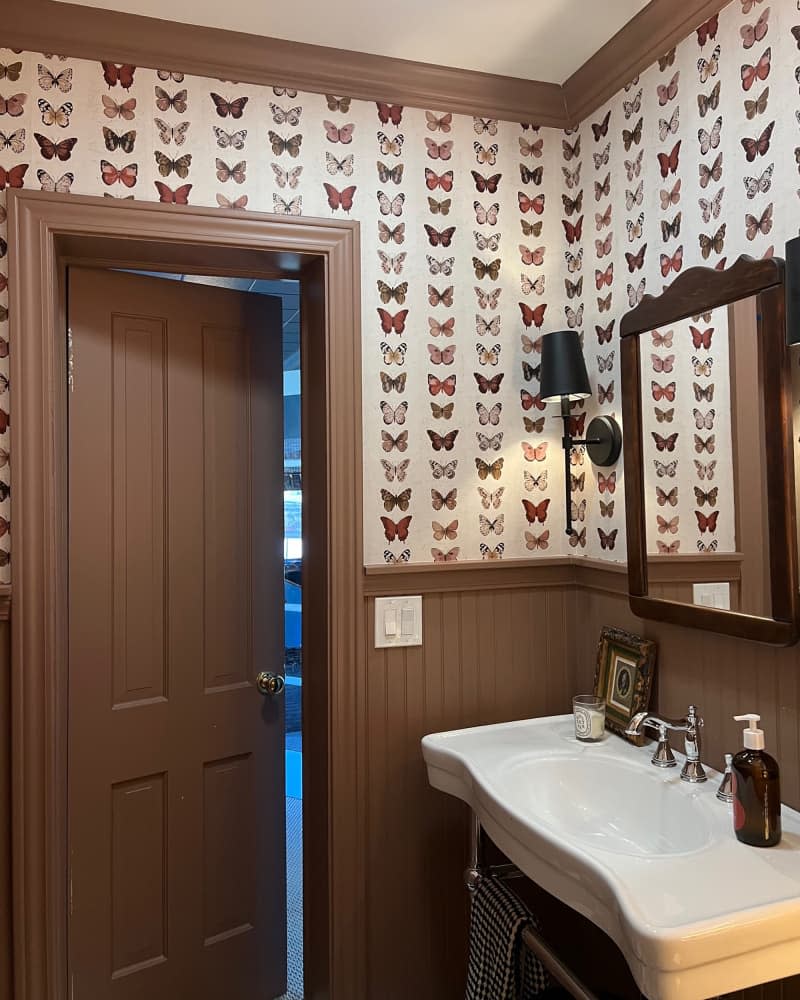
<point x="712" y="595"/>
<point x="398" y="621"/>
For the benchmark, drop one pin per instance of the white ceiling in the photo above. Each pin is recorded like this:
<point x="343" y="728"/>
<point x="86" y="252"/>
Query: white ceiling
<point x="532" y="39"/>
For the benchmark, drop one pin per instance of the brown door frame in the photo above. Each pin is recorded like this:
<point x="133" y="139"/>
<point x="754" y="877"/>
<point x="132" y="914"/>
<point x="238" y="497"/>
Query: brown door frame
<point x="46" y="231"/>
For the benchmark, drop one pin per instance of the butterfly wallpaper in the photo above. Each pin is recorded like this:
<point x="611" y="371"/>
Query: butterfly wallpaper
<point x="478" y="236"/>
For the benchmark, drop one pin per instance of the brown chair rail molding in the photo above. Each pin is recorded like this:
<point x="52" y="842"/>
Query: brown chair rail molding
<point x="758" y="286"/>
<point x="93" y="33"/>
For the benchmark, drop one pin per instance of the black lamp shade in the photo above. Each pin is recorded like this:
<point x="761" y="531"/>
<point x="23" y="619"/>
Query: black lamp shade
<point x="563" y="367"/>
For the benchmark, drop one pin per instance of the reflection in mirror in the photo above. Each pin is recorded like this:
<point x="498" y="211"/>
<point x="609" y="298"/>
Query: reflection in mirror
<point x="704" y="454"/>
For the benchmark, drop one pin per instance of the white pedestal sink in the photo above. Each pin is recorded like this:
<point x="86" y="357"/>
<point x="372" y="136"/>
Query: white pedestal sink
<point x="650" y="859"/>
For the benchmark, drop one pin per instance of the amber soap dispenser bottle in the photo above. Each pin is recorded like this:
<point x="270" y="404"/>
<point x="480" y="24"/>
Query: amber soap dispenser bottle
<point x="756" y="789"/>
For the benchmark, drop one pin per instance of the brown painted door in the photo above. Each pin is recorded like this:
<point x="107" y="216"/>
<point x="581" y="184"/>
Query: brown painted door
<point x="176" y="768"/>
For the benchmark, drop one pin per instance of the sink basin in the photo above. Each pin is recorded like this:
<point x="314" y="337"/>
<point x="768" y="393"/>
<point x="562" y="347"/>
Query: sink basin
<point x="650" y="859"/>
<point x="591" y="797"/>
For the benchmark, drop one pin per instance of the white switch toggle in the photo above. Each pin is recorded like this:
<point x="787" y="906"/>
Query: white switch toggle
<point x="398" y="621"/>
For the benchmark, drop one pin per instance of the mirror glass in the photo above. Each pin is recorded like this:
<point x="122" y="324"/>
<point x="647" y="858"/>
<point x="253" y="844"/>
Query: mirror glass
<point x="704" y="461"/>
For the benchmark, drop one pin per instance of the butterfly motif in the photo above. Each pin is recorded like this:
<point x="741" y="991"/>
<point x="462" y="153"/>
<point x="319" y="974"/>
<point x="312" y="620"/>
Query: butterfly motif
<point x="391" y="558"/>
<point x="531" y="372"/>
<point x="706" y="522"/>
<point x="11" y="71"/>
<point x="389" y="113"/>
<point x="391" y="206"/>
<point x="534" y="453"/>
<point x="604" y="304"/>
<point x="572" y="232"/>
<point x="527" y="204"/>
<point x="668" y="550"/>
<point x="166" y="133"/>
<point x="448" y="500"/>
<point x="388" y="147"/>
<point x="574" y="289"/>
<point x="490" y="242"/>
<point x="445" y="329"/>
<point x="393" y="384"/>
<point x="491" y="553"/>
<point x="14" y="105"/>
<point x="664" y="416"/>
<point x="335" y="103"/>
<point x="604" y="277"/>
<point x="709" y="67"/>
<point x="488" y="527"/>
<point x="61" y="150"/>
<point x="572" y="177"/>
<point x="335" y="166"/>
<point x="283" y="116"/>
<point x="527" y="286"/>
<point x="664" y="443"/>
<point x="489" y="416"/>
<point x="486" y="469"/>
<point x="484" y="216"/>
<point x="708" y="102"/>
<point x="578" y="538"/>
<point x="753" y="226"/>
<point x="705" y="444"/>
<point x="396" y="235"/>
<point x="668" y="162"/>
<point x="390" y="264"/>
<point x="434" y="180"/>
<point x="577" y="483"/>
<point x="600" y="129"/>
<point x="762" y="184"/>
<point x="111" y="175"/>
<point x="447" y="386"/>
<point x="701" y="338"/>
<point x="757" y="147"/>
<point x="339" y="133"/>
<point x="387" y="292"/>
<point x="605" y="363"/>
<point x="634" y="197"/>
<point x="704" y="421"/>
<point x="286" y="92"/>
<point x="671" y="229"/>
<point x="61" y="185"/>
<point x="603" y="247"/>
<point x="438" y="123"/>
<point x="757" y="106"/>
<point x="705" y="471"/>
<point x="60" y="81"/>
<point x="442" y="442"/>
<point x="574" y="261"/>
<point x="602" y="190"/>
<point x="571" y="151"/>
<point x="711" y="547"/>
<point x="528" y="401"/>
<point x="530" y="176"/>
<point x="534" y="148"/>
<point x="668" y="526"/>
<point x="710" y="140"/>
<point x="442" y="412"/>
<point x="752" y="33"/>
<point x="439" y="150"/>
<point x="601" y="158"/>
<point x="225" y="140"/>
<point x="181" y="165"/>
<point x="668" y="91"/>
<point x="660" y="392"/>
<point x="635" y="227"/>
<point x="443" y="557"/>
<point x="393" y="355"/>
<point x="180" y="196"/>
<point x="604" y="332"/>
<point x="631" y="108"/>
<point x="385" y="174"/>
<point x="281" y="145"/>
<point x="707" y="174"/>
<point x="398" y="530"/>
<point x="489" y="270"/>
<point x="605" y="394"/>
<point x="634" y="167"/>
<point x="528" y="256"/>
<point x="602" y="220"/>
<point x="238" y="204"/>
<point x="703" y="393"/>
<point x="388" y="442"/>
<point x="702" y="368"/>
<point x="399" y="500"/>
<point x="284" y="178"/>
<point x="179" y="103"/>
<point x="662" y="364"/>
<point x="55" y="116"/>
<point x="707" y="30"/>
<point x="715" y="243"/>
<point x="667" y="497"/>
<point x="488" y="355"/>
<point x="392" y="323"/>
<point x="635" y="294"/>
<point x="436" y="238"/>
<point x="574" y="316"/>
<point x="536" y="481"/>
<point x="534" y="542"/>
<point x="441" y="531"/>
<point x="536" y="511"/>
<point x="490" y="327"/>
<point x="665" y="469"/>
<point x="484" y="125"/>
<point x="578" y="510"/>
<point x="15" y="141"/>
<point x="749" y="74"/>
<point x="489" y="385"/>
<point x="487" y="300"/>
<point x="486" y="154"/>
<point x="632" y="137"/>
<point x="113" y="74"/>
<point x="710" y="209"/>
<point x="436" y="297"/>
<point x="607" y="539"/>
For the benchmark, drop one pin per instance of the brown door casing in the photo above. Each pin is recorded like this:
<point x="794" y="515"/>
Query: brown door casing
<point x="46" y="232"/>
<point x="176" y="776"/>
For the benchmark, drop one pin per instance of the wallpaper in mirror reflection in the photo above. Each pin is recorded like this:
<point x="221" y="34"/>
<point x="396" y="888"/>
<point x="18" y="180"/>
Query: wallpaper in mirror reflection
<point x="704" y="446"/>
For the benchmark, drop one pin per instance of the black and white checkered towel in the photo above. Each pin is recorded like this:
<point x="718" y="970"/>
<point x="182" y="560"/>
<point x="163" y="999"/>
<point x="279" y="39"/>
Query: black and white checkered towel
<point x="501" y="967"/>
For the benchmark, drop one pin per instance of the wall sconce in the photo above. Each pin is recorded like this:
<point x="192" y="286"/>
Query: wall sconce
<point x="564" y="378"/>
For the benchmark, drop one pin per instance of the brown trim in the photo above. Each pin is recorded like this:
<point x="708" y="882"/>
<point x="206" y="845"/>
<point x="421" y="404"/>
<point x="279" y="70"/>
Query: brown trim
<point x="94" y="33"/>
<point x="646" y="37"/>
<point x="333" y="807"/>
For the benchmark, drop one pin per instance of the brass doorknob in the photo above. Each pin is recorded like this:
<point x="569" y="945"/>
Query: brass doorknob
<point x="270" y="684"/>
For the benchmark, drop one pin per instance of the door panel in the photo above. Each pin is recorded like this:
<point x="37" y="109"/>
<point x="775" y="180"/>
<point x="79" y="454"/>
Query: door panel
<point x="176" y="775"/>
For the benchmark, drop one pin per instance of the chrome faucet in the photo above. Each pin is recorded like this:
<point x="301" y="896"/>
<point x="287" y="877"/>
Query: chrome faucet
<point x="690" y="726"/>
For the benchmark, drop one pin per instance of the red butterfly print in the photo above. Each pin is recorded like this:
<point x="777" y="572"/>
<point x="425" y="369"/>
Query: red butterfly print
<point x="528" y="256"/>
<point x="752" y="33"/>
<point x="604" y="277"/>
<point x="760" y="146"/>
<point x="233" y="108"/>
<point x="573" y="233"/>
<point x="536" y="512"/>
<point x="607" y="484"/>
<point x="434" y="180"/>
<point x="527" y="204"/>
<point x="126" y="175"/>
<point x="482" y="183"/>
<point x="673" y="263"/>
<point x="707" y="30"/>
<point x="447" y="386"/>
<point x="340" y="199"/>
<point x="393" y="324"/>
<point x="532" y="316"/>
<point x="663" y="391"/>
<point x="49" y="149"/>
<point x="13" y="178"/>
<point x="668" y="162"/>
<point x="389" y="113"/>
<point x="529" y="401"/>
<point x="706" y="523"/>
<point x="636" y="261"/>
<point x="576" y="425"/>
<point x="534" y="453"/>
<point x="122" y="75"/>
<point x="397" y="530"/>
<point x="491" y="385"/>
<point x="180" y="196"/>
<point x="666" y="92"/>
<point x="702" y="339"/>
<point x="760" y="71"/>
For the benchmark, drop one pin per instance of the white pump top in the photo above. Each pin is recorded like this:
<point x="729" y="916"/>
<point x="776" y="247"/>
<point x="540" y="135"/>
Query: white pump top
<point x="753" y="736"/>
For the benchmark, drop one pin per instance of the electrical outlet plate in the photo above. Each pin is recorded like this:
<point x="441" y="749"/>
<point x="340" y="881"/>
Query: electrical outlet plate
<point x="712" y="595"/>
<point x="398" y="621"/>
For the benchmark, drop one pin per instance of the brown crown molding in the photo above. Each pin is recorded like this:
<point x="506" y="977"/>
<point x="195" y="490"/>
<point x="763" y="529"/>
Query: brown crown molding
<point x="92" y="33"/>
<point x="648" y="35"/>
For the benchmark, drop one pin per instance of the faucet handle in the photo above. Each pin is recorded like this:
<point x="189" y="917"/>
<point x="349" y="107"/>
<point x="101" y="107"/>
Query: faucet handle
<point x="663" y="755"/>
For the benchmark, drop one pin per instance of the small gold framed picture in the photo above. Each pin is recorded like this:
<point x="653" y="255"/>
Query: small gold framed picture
<point x="624" y="677"/>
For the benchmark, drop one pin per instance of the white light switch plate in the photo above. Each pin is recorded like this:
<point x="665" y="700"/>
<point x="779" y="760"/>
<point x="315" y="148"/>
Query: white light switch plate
<point x="712" y="595"/>
<point x="398" y="621"/>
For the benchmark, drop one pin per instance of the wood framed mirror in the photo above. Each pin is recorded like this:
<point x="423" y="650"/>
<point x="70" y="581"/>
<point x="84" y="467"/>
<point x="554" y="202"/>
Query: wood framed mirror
<point x="709" y="451"/>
